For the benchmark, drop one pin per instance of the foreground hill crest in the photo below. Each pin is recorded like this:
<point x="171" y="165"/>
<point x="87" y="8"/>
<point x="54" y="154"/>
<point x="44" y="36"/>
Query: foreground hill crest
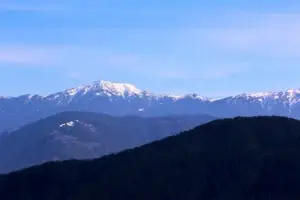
<point x="241" y="158"/>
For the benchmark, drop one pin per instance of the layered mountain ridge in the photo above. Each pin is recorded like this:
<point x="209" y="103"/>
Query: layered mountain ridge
<point x="228" y="159"/>
<point x="126" y="99"/>
<point x="84" y="135"/>
<point x="108" y="89"/>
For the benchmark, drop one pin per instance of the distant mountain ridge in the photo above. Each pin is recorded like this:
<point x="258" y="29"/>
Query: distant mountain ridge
<point x="125" y="99"/>
<point x="83" y="135"/>
<point x="105" y="88"/>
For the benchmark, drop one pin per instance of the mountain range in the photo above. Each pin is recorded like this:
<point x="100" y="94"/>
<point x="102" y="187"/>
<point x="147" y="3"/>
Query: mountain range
<point x="83" y="135"/>
<point x="255" y="158"/>
<point x="125" y="99"/>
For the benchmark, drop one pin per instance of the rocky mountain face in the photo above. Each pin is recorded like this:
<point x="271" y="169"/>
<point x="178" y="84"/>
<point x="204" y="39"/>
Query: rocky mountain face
<point x="82" y="135"/>
<point x="125" y="99"/>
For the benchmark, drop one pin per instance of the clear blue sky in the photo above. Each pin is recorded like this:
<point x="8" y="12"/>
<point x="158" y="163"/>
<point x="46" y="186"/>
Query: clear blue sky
<point x="214" y="48"/>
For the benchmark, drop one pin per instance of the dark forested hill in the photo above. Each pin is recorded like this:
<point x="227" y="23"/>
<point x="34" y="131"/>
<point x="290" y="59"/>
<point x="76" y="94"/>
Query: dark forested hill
<point x="233" y="159"/>
<point x="82" y="135"/>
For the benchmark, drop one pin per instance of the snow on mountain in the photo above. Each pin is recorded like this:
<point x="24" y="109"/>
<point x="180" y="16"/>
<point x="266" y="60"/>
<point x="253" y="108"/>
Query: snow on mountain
<point x="125" y="90"/>
<point x="188" y="96"/>
<point x="289" y="97"/>
<point x="105" y="88"/>
<point x="70" y="123"/>
<point x="126" y="99"/>
<point x="129" y="91"/>
<point x="98" y="89"/>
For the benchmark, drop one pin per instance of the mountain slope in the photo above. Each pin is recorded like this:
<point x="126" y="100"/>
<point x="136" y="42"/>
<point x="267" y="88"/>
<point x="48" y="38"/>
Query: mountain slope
<point x="125" y="99"/>
<point x="101" y="96"/>
<point x="242" y="158"/>
<point x="85" y="135"/>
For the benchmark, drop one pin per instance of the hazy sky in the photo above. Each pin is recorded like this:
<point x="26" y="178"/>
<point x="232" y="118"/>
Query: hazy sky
<point x="214" y="48"/>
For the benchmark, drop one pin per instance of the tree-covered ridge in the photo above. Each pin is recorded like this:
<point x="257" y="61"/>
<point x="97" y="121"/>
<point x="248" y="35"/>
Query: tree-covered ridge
<point x="84" y="135"/>
<point x="240" y="158"/>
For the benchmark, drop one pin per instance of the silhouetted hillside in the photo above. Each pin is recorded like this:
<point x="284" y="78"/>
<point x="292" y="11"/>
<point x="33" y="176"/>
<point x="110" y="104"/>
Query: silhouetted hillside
<point x="82" y="135"/>
<point x="232" y="159"/>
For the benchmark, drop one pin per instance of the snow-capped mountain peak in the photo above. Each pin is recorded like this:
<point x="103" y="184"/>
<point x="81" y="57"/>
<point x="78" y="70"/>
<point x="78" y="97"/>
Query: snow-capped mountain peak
<point x="288" y="97"/>
<point x="119" y="89"/>
<point x="257" y="95"/>
<point x="189" y="96"/>
<point x="106" y="88"/>
<point x="293" y="95"/>
<point x="293" y="92"/>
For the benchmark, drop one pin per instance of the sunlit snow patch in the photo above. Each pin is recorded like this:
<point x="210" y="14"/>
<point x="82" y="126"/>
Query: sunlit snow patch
<point x="70" y="124"/>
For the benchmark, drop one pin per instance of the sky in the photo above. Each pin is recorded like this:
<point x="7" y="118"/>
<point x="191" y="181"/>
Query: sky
<point x="213" y="48"/>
